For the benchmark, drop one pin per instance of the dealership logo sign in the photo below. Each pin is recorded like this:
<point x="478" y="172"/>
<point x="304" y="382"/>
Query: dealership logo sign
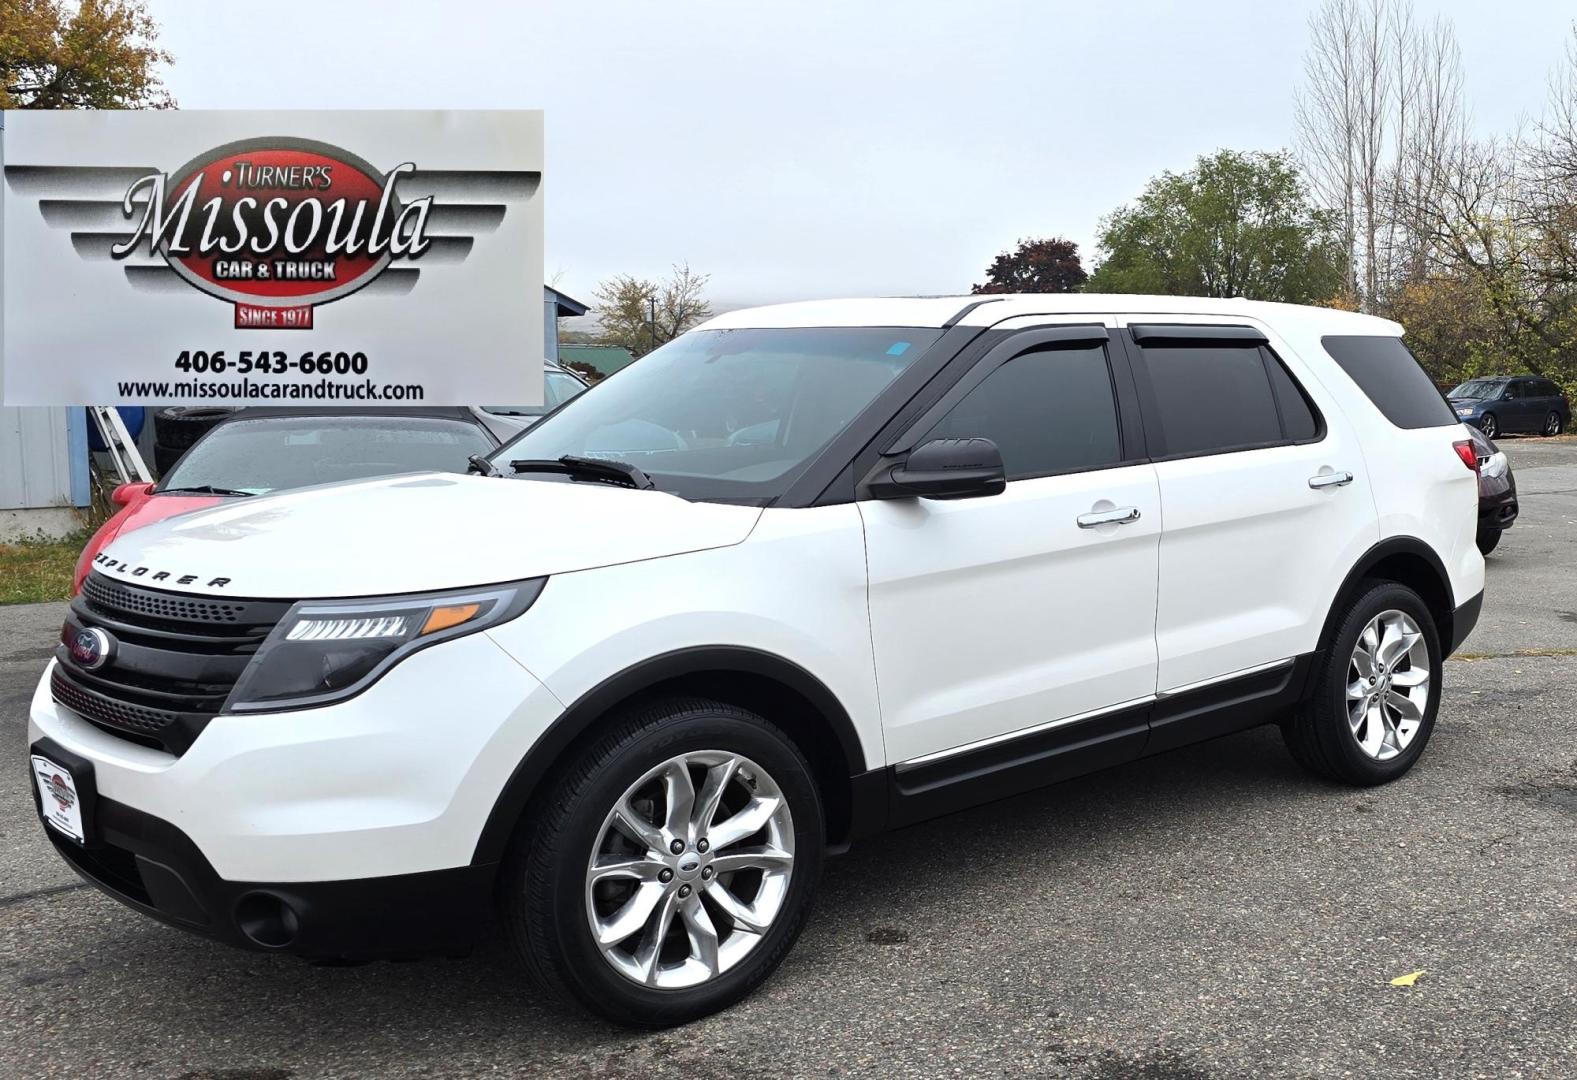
<point x="275" y="226"/>
<point x="204" y="257"/>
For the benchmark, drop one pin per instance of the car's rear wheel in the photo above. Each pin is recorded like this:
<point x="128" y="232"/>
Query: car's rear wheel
<point x="1488" y="540"/>
<point x="1552" y="424"/>
<point x="672" y="866"/>
<point x="1489" y="425"/>
<point x="1376" y="692"/>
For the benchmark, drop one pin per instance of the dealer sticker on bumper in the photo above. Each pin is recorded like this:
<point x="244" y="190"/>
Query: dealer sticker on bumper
<point x="57" y="793"/>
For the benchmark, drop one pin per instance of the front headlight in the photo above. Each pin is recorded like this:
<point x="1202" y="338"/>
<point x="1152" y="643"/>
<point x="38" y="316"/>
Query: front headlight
<point x="328" y="650"/>
<point x="1494" y="466"/>
<point x="1465" y="412"/>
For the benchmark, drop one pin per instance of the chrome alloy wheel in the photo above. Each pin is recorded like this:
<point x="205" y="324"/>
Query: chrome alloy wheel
<point x="1388" y="684"/>
<point x="690" y="869"/>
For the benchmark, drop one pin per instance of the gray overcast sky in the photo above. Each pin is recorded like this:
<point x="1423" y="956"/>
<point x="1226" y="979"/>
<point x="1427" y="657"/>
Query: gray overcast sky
<point x="813" y="148"/>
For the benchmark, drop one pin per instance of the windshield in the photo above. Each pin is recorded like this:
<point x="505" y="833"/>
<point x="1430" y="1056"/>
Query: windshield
<point x="729" y="415"/>
<point x="1477" y="390"/>
<point x="557" y="388"/>
<point x="271" y="453"/>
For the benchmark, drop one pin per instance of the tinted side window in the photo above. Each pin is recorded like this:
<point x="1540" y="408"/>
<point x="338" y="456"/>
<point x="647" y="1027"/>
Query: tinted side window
<point x="1298" y="421"/>
<point x="1392" y="378"/>
<point x="1211" y="398"/>
<point x="1048" y="412"/>
<point x="1545" y="388"/>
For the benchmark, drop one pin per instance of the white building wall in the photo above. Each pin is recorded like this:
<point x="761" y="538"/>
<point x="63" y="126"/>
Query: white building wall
<point x="36" y="494"/>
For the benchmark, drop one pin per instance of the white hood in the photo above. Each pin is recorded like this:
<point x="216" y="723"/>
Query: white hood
<point x="414" y="533"/>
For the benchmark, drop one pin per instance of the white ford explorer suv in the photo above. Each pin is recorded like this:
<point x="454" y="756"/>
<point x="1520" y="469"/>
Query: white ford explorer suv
<point x="806" y="573"/>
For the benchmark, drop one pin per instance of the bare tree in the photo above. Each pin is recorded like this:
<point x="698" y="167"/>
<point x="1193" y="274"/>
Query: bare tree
<point x="1379" y="111"/>
<point x="1432" y="130"/>
<point x="1327" y="119"/>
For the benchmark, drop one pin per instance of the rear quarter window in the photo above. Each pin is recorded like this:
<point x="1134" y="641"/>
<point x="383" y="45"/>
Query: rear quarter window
<point x="1391" y="376"/>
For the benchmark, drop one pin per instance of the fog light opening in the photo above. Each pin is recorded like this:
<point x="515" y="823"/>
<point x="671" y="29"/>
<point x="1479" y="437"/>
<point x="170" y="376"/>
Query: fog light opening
<point x="267" y="920"/>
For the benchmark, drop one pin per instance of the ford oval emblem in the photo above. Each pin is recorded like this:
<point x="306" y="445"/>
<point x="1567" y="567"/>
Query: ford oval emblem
<point x="91" y="648"/>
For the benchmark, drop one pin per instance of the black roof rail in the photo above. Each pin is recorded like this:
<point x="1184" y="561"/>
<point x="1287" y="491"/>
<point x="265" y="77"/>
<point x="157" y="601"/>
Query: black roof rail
<point x="966" y="309"/>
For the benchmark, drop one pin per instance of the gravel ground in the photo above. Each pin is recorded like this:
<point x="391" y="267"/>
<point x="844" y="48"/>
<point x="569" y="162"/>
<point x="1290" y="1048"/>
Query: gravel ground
<point x="1210" y="913"/>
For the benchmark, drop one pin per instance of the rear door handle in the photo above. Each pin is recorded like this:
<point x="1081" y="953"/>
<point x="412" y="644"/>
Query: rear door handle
<point x="1120" y="515"/>
<point x="1330" y="479"/>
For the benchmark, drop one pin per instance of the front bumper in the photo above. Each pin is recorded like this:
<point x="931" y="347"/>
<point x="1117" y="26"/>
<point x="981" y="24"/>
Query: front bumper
<point x="398" y="780"/>
<point x="152" y="866"/>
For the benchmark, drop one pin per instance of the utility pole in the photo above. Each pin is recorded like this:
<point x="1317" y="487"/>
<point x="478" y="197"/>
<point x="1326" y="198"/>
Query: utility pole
<point x="653" y="323"/>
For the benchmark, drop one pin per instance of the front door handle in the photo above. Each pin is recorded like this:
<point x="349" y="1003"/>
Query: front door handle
<point x="1330" y="479"/>
<point x="1120" y="515"/>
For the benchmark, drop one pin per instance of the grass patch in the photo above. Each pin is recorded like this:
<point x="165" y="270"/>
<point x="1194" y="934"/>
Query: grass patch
<point x="1516" y="654"/>
<point x="34" y="571"/>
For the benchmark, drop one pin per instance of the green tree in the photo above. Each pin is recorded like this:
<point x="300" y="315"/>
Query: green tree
<point x="626" y="306"/>
<point x="1233" y="225"/>
<point x="1036" y="266"/>
<point x="94" y="54"/>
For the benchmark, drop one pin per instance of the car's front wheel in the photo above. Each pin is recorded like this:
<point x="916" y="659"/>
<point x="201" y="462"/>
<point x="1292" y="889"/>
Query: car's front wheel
<point x="1375" y="694"/>
<point x="1488" y="540"/>
<point x="1489" y="425"/>
<point x="672" y="866"/>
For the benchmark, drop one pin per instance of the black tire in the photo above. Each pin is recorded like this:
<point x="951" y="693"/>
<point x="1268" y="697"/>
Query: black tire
<point x="543" y="880"/>
<point x="1318" y="734"/>
<point x="179" y="426"/>
<point x="1552" y="424"/>
<point x="165" y="457"/>
<point x="1488" y="539"/>
<point x="1489" y="425"/>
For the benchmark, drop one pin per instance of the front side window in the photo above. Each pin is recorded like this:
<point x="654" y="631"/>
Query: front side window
<point x="1210" y="398"/>
<point x="273" y="453"/>
<point x="1476" y="390"/>
<point x="1049" y="412"/>
<point x="728" y="415"/>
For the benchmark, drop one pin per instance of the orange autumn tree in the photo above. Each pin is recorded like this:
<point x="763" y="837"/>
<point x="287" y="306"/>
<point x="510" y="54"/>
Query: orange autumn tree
<point x="96" y="54"/>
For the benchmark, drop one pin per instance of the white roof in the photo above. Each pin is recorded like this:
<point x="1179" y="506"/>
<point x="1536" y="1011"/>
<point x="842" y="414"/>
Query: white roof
<point x="989" y="310"/>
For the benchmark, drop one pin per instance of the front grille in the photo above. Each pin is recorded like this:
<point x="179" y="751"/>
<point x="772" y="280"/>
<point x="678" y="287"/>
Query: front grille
<point x="175" y="661"/>
<point x="104" y="709"/>
<point x="156" y="608"/>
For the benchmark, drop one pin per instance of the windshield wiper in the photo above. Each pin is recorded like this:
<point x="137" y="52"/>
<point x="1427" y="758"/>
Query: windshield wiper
<point x="602" y="469"/>
<point x="478" y="463"/>
<point x="205" y="489"/>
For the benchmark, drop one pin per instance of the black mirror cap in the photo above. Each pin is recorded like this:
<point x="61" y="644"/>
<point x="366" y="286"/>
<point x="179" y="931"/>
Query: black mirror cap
<point x="944" y="469"/>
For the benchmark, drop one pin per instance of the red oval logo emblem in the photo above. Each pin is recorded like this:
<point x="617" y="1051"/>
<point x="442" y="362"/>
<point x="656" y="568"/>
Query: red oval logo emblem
<point x="279" y="222"/>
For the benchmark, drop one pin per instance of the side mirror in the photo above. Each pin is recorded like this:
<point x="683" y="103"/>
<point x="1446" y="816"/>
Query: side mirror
<point x="944" y="469"/>
<point x="125" y="493"/>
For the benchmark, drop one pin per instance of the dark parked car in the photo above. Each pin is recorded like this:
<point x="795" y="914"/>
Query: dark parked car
<point x="1507" y="404"/>
<point x="1497" y="492"/>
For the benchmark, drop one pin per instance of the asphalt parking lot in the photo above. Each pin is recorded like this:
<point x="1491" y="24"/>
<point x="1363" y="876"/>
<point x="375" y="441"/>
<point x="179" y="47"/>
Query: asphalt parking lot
<point x="1210" y="913"/>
